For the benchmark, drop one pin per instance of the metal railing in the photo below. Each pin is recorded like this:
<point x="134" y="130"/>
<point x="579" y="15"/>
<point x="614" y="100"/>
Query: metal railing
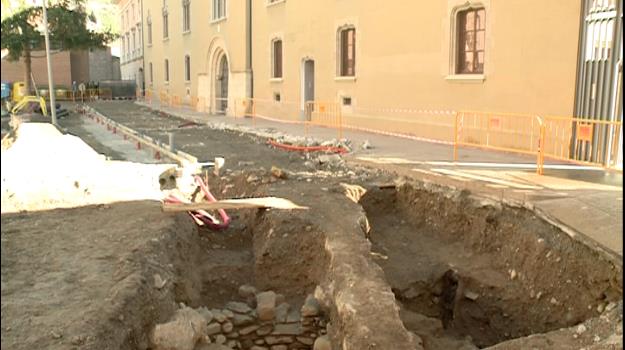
<point x="323" y="114"/>
<point x="87" y="95"/>
<point x="508" y="132"/>
<point x="584" y="141"/>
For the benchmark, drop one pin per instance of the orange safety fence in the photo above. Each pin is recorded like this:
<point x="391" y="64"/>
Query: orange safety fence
<point x="325" y="114"/>
<point x="517" y="133"/>
<point x="176" y="101"/>
<point x="164" y="98"/>
<point x="197" y="103"/>
<point x="148" y="96"/>
<point x="583" y="141"/>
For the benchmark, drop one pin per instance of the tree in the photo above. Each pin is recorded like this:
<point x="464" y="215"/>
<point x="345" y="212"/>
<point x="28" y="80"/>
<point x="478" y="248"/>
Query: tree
<point x="22" y="32"/>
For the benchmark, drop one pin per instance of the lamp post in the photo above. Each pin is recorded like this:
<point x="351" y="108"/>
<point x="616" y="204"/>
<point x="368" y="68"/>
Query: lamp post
<point x="50" y="82"/>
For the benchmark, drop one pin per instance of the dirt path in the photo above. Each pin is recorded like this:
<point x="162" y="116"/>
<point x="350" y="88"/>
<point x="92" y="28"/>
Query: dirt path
<point x="80" y="276"/>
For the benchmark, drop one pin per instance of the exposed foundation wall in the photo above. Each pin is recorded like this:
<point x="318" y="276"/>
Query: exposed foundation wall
<point x="404" y="58"/>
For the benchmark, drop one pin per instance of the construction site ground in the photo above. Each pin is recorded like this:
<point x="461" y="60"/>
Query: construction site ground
<point x="430" y="256"/>
<point x="589" y="199"/>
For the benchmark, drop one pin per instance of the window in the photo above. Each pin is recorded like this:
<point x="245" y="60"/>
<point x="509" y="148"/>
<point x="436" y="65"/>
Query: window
<point x="166" y="70"/>
<point x="165" y="24"/>
<point x="347" y="52"/>
<point x="123" y="46"/>
<point x="134" y="42"/>
<point x="602" y="5"/>
<point x="139" y="39"/>
<point x="276" y="96"/>
<point x="276" y="53"/>
<point x="471" y="29"/>
<point x="151" y="73"/>
<point x="347" y="101"/>
<point x="186" y="15"/>
<point x="149" y="29"/>
<point x="600" y="30"/>
<point x="219" y="9"/>
<point x="187" y="68"/>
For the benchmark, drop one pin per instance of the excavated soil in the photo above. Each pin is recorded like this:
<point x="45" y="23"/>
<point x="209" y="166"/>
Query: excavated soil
<point x="469" y="272"/>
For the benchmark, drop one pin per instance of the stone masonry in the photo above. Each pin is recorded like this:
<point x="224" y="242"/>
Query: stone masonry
<point x="263" y="322"/>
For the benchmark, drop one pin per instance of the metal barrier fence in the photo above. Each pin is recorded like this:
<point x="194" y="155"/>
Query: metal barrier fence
<point x="584" y="141"/>
<point x="88" y="95"/>
<point x="324" y="114"/>
<point x="516" y="133"/>
<point x="164" y="98"/>
<point x="167" y="100"/>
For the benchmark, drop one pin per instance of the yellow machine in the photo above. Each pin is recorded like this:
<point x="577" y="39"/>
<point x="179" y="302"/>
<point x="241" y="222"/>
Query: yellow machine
<point x="26" y="101"/>
<point x="19" y="91"/>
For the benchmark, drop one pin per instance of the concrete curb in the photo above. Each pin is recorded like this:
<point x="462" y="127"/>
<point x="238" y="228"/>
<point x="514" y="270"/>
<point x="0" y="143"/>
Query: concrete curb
<point x="179" y="156"/>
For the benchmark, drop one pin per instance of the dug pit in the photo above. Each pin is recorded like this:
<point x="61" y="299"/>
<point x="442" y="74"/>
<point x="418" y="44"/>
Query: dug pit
<point x="472" y="273"/>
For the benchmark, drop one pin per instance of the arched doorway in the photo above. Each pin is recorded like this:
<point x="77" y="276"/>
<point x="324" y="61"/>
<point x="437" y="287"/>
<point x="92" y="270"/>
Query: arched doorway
<point x="221" y="85"/>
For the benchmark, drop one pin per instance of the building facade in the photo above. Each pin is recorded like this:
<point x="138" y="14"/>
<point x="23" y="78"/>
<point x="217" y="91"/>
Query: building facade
<point x="131" y="41"/>
<point x="385" y="65"/>
<point x="198" y="49"/>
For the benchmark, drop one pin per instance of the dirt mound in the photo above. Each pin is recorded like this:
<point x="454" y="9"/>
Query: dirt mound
<point x="44" y="169"/>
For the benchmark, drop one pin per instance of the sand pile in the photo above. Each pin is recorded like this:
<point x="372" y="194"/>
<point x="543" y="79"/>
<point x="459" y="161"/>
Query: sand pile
<point x="44" y="169"/>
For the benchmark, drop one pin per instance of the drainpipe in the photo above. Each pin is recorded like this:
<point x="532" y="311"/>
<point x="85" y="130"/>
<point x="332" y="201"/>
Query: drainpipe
<point x="142" y="52"/>
<point x="248" y="53"/>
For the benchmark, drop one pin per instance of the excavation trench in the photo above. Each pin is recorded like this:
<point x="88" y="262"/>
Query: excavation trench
<point x="469" y="273"/>
<point x="225" y="272"/>
<point x="457" y="271"/>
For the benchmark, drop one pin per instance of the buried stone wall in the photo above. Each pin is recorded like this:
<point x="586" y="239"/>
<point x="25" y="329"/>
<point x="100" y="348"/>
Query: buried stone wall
<point x="327" y="247"/>
<point x="263" y="322"/>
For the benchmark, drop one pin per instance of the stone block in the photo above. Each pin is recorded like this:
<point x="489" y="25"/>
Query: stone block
<point x="238" y="307"/>
<point x="266" y="305"/>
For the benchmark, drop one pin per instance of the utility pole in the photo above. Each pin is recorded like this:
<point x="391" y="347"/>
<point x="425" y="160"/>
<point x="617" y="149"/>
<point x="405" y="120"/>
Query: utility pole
<point x="50" y="82"/>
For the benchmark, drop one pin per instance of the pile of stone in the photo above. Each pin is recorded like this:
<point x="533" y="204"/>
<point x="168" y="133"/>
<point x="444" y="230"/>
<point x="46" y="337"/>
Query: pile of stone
<point x="263" y="322"/>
